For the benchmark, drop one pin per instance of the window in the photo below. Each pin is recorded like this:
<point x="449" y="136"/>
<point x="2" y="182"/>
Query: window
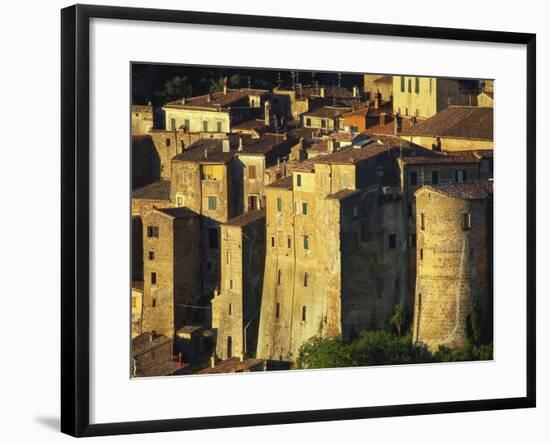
<point x="213" y="238"/>
<point x="187" y="125"/>
<point x="205" y="126"/>
<point x="212" y="203"/>
<point x="413" y="240"/>
<point x="153" y="302"/>
<point x="323" y="123"/>
<point x="460" y="176"/>
<point x="229" y="347"/>
<point x="392" y="240"/>
<point x="279" y="277"/>
<point x="306" y="278"/>
<point x="152" y="232"/>
<point x="168" y="142"/>
<point x="173" y="123"/>
<point x="151" y="255"/>
<point x="304" y="208"/>
<point x="336" y="144"/>
<point x="421" y="254"/>
<point x="466" y="222"/>
<point x="435" y="177"/>
<point x="299" y="180"/>
<point x="230" y="309"/>
<point x="230" y="284"/>
<point x="410" y="86"/>
<point x="413" y="178"/>
<point x="355" y="212"/>
<point x="251" y="172"/>
<point x="218" y="126"/>
<point x="431" y="81"/>
<point x="416" y="85"/>
<point x="402" y="84"/>
<point x="179" y="200"/>
<point x="422" y="222"/>
<point x="228" y="258"/>
<point x="304" y="313"/>
<point x="272" y="241"/>
<point x="306" y="242"/>
<point x="308" y="121"/>
<point x="279" y="205"/>
<point x="277" y="310"/>
<point x="153" y="278"/>
<point x="289" y="242"/>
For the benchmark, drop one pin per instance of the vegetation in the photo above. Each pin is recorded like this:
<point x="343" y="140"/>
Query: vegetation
<point x="384" y="348"/>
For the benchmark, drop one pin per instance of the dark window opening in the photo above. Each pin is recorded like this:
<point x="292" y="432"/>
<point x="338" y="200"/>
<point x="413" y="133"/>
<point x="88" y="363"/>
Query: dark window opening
<point x="422" y="222"/>
<point x="151" y="255"/>
<point x="304" y="313"/>
<point x="435" y="177"/>
<point x="152" y="231"/>
<point x="153" y="278"/>
<point x="467" y="222"/>
<point x="392" y="240"/>
<point x="277" y="310"/>
<point x="168" y="142"/>
<point x="306" y="279"/>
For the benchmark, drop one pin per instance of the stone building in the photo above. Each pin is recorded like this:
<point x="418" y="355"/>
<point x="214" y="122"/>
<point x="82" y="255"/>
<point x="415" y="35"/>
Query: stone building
<point x="325" y="119"/>
<point x="215" y="112"/>
<point x="374" y="84"/>
<point x="454" y="262"/>
<point x="455" y="128"/>
<point x="142" y="119"/>
<point x="146" y="165"/>
<point x="152" y="355"/>
<point x="336" y="247"/>
<point x="426" y="96"/>
<point x="236" y="307"/>
<point x="171" y="269"/>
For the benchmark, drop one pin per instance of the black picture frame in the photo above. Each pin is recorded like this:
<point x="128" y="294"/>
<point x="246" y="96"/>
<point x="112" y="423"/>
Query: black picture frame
<point x="75" y="212"/>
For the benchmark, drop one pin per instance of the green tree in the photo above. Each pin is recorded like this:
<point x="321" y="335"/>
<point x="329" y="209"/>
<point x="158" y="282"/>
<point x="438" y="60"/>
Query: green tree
<point x="177" y="87"/>
<point x="396" y="319"/>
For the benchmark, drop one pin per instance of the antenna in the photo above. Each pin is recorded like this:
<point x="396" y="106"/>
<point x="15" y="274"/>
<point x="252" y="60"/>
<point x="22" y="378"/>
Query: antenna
<point x="249" y="82"/>
<point x="339" y="79"/>
<point x="279" y="81"/>
<point x="293" y="77"/>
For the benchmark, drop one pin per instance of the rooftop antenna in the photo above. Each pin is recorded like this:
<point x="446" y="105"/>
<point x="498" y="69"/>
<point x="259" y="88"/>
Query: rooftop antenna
<point x="297" y="77"/>
<point x="293" y="77"/>
<point x="249" y="82"/>
<point x="339" y="79"/>
<point x="279" y="81"/>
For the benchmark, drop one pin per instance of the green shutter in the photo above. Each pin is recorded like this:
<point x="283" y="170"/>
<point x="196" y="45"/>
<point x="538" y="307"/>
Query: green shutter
<point x="211" y="203"/>
<point x="304" y="208"/>
<point x="410" y="85"/>
<point x="279" y="205"/>
<point x="402" y="83"/>
<point x="306" y="242"/>
<point x="417" y="85"/>
<point x="299" y="180"/>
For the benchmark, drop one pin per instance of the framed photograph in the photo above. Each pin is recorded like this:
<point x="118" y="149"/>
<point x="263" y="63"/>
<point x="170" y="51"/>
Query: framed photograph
<point x="272" y="220"/>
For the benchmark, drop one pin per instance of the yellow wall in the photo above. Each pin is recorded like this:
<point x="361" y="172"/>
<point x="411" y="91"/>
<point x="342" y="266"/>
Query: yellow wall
<point x="196" y="118"/>
<point x="452" y="144"/>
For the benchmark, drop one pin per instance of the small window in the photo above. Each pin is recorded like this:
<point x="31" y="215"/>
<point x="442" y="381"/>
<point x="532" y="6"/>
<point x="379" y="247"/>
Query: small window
<point x="413" y="240"/>
<point x="187" y="125"/>
<point x="323" y="123"/>
<point x="467" y="221"/>
<point x="168" y="142"/>
<point x="218" y="126"/>
<point x="431" y="85"/>
<point x="173" y="123"/>
<point x="212" y="203"/>
<point x="279" y="205"/>
<point x="306" y="242"/>
<point x="392" y="240"/>
<point x="231" y="284"/>
<point x="230" y="309"/>
<point x="279" y="277"/>
<point x="355" y="212"/>
<point x="460" y="176"/>
<point x="153" y="302"/>
<point x="153" y="278"/>
<point x="213" y="238"/>
<point x="299" y="180"/>
<point x="252" y="172"/>
<point x="416" y="85"/>
<point x="277" y="310"/>
<point x="272" y="241"/>
<point x="289" y="242"/>
<point x="304" y="312"/>
<point x="308" y="121"/>
<point x="422" y="222"/>
<point x="435" y="177"/>
<point x="152" y="231"/>
<point x="205" y="126"/>
<point x="229" y="347"/>
<point x="421" y="253"/>
<point x="228" y="258"/>
<point x="306" y="279"/>
<point x="151" y="255"/>
<point x="304" y="208"/>
<point x="402" y="84"/>
<point x="410" y="86"/>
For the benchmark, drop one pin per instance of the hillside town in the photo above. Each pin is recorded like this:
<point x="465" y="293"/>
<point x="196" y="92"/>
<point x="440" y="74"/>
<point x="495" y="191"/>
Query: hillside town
<point x="263" y="218"/>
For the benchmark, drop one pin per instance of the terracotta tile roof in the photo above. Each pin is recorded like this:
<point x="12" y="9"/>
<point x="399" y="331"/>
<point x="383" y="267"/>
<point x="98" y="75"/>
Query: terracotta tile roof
<point x="384" y="79"/>
<point x="342" y="194"/>
<point x="147" y="341"/>
<point x="266" y="143"/>
<point x="178" y="212"/>
<point x="217" y="99"/>
<point x="389" y="127"/>
<point x="328" y="112"/>
<point x="283" y="183"/>
<point x="467" y="191"/>
<point x="209" y="150"/>
<point x="232" y="365"/>
<point x="159" y="190"/>
<point x="457" y="122"/>
<point x="246" y="218"/>
<point x="464" y="157"/>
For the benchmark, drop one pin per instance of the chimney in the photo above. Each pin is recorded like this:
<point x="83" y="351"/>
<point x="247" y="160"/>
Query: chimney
<point x="205" y="153"/>
<point x="225" y="85"/>
<point x="226" y="145"/>
<point x="183" y="100"/>
<point x="322" y="92"/>
<point x="355" y="91"/>
<point x="212" y="360"/>
<point x="398" y="122"/>
<point x="240" y="149"/>
<point x="383" y="118"/>
<point x="180" y="360"/>
<point x="437" y="145"/>
<point x="209" y="97"/>
<point x="267" y="113"/>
